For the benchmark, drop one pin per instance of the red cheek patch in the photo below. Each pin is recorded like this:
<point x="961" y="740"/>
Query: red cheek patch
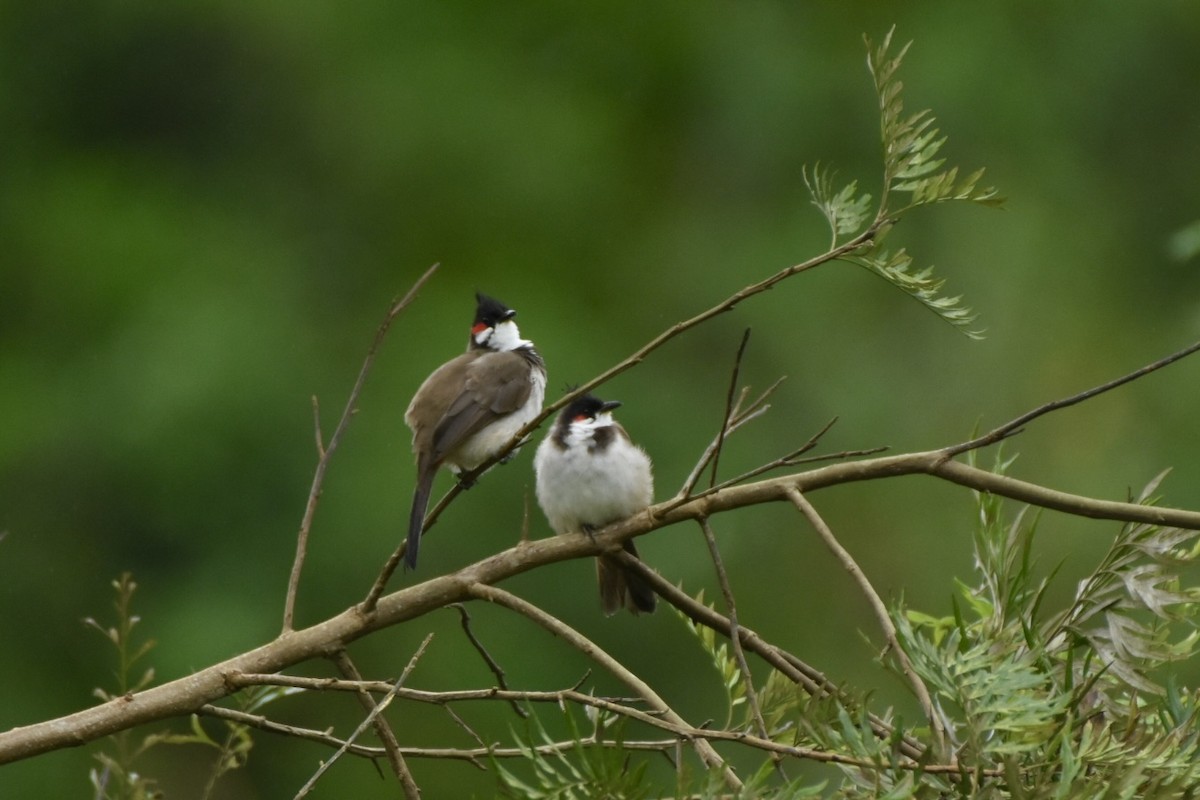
<point x="478" y="328"/>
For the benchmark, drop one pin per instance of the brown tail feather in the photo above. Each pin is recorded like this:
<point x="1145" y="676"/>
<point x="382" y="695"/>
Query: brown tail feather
<point x="416" y="517"/>
<point x="620" y="587"/>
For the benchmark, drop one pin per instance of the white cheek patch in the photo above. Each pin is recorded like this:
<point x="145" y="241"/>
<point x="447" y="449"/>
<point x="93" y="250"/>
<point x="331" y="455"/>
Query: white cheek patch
<point x="505" y="336"/>
<point x="482" y="337"/>
<point x="583" y="432"/>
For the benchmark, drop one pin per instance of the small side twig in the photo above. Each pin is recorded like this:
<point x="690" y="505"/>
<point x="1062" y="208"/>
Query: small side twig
<point x="264" y="724"/>
<point x="740" y="417"/>
<point x="325" y="452"/>
<point x="496" y="669"/>
<point x="727" y="419"/>
<point x="735" y="638"/>
<point x="792" y="459"/>
<point x="1016" y="425"/>
<point x="881" y="615"/>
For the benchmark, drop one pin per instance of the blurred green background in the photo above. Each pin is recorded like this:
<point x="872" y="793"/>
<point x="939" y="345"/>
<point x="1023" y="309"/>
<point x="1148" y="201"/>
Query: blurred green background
<point x="206" y="208"/>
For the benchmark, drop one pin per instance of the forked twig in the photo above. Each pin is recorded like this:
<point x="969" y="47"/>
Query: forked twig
<point x="657" y="705"/>
<point x="384" y="731"/>
<point x="727" y="419"/>
<point x="790" y="460"/>
<point x="740" y="416"/>
<point x="326" y="452"/>
<point x="376" y="710"/>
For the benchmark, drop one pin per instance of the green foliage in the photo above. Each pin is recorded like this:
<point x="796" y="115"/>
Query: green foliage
<point x="1054" y="705"/>
<point x="894" y="268"/>
<point x="118" y="777"/>
<point x="911" y="167"/>
<point x="580" y="768"/>
<point x="120" y="636"/>
<point x="911" y="144"/>
<point x="721" y="656"/>
<point x="846" y="211"/>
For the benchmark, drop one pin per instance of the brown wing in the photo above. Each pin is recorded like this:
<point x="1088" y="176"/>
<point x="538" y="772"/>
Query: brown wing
<point x="429" y="404"/>
<point x="496" y="384"/>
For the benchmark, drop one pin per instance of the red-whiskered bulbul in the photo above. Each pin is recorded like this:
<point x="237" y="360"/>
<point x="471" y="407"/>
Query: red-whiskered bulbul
<point x="472" y="406"/>
<point x="590" y="474"/>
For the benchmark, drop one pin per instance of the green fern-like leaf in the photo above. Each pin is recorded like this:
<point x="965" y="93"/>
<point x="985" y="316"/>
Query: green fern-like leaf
<point x="845" y="210"/>
<point x="1127" y="610"/>
<point x="921" y="285"/>
<point x="584" y="770"/>
<point x="721" y="655"/>
<point x="911" y="144"/>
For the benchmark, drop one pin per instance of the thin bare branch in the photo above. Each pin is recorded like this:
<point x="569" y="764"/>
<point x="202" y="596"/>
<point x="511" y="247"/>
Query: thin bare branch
<point x="791" y="459"/>
<point x="264" y="724"/>
<point x="727" y="418"/>
<point x="741" y="416"/>
<point x="735" y="638"/>
<point x="1015" y="426"/>
<point x="326" y="452"/>
<point x="881" y="616"/>
<point x="474" y="755"/>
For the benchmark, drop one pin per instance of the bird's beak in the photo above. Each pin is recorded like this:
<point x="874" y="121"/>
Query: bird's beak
<point x="609" y="405"/>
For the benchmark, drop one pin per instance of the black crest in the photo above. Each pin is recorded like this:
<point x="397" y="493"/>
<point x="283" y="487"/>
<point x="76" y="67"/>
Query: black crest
<point x="490" y="311"/>
<point x="587" y="405"/>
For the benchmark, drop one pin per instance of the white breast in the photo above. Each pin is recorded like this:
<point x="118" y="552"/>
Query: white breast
<point x="577" y="488"/>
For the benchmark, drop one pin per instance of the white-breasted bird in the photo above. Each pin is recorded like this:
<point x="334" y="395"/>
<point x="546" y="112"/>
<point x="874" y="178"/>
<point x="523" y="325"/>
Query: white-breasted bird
<point x="471" y="406"/>
<point x="590" y="474"/>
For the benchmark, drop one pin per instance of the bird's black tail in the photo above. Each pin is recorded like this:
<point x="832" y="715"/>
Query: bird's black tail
<point x="416" y="518"/>
<point x="623" y="587"/>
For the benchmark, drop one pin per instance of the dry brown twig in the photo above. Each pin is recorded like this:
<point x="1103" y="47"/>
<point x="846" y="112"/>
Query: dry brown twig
<point x="735" y="637"/>
<point x="881" y="616"/>
<point x="325" y="452"/>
